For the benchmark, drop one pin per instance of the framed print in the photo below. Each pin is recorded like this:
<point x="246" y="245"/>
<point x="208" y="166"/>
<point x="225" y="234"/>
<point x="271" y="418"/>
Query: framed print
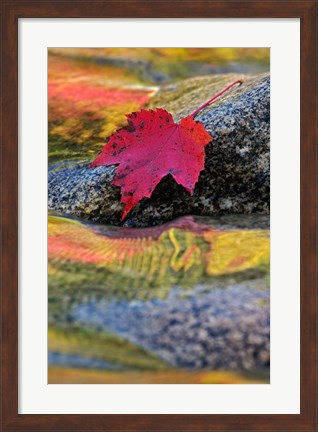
<point x="159" y="199"/>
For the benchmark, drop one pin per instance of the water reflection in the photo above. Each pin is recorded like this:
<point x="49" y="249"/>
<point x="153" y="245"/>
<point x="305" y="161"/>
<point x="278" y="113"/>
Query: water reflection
<point x="192" y="294"/>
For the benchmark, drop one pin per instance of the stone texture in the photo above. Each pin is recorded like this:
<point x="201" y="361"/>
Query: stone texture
<point x="236" y="178"/>
<point x="222" y="329"/>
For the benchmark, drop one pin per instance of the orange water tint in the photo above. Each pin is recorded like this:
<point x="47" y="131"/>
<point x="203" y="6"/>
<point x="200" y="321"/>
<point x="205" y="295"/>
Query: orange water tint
<point x="237" y="261"/>
<point x="75" y="242"/>
<point x="82" y="91"/>
<point x="72" y="241"/>
<point x="65" y="375"/>
<point x="102" y="252"/>
<point x="227" y="251"/>
<point x="98" y="96"/>
<point x="68" y="249"/>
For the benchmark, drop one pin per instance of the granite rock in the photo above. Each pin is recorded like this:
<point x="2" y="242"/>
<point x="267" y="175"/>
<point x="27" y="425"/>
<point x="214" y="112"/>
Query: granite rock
<point x="221" y="329"/>
<point x="236" y="178"/>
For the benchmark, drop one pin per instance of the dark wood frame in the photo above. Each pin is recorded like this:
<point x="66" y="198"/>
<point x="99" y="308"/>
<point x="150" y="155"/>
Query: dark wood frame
<point x="11" y="12"/>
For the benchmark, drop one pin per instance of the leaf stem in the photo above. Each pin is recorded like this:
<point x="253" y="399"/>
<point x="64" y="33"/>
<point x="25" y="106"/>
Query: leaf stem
<point x="215" y="97"/>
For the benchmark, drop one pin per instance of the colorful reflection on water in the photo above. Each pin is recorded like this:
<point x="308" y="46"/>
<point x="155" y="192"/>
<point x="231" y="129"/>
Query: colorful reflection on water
<point x="186" y="299"/>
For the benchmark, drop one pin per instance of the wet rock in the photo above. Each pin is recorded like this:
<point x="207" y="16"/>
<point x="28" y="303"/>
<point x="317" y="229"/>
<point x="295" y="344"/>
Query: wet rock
<point x="223" y="329"/>
<point x="236" y="175"/>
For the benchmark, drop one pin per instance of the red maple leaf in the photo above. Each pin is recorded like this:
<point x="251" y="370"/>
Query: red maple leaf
<point x="153" y="146"/>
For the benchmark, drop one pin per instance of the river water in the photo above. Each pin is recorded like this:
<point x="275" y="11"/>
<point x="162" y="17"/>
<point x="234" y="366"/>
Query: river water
<point x="183" y="302"/>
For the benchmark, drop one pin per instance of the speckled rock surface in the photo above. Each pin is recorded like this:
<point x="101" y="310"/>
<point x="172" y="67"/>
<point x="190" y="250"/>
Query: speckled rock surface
<point x="224" y="328"/>
<point x="236" y="178"/>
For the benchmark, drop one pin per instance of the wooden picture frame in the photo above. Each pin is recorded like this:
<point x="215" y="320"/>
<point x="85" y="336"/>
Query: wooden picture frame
<point x="12" y="11"/>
